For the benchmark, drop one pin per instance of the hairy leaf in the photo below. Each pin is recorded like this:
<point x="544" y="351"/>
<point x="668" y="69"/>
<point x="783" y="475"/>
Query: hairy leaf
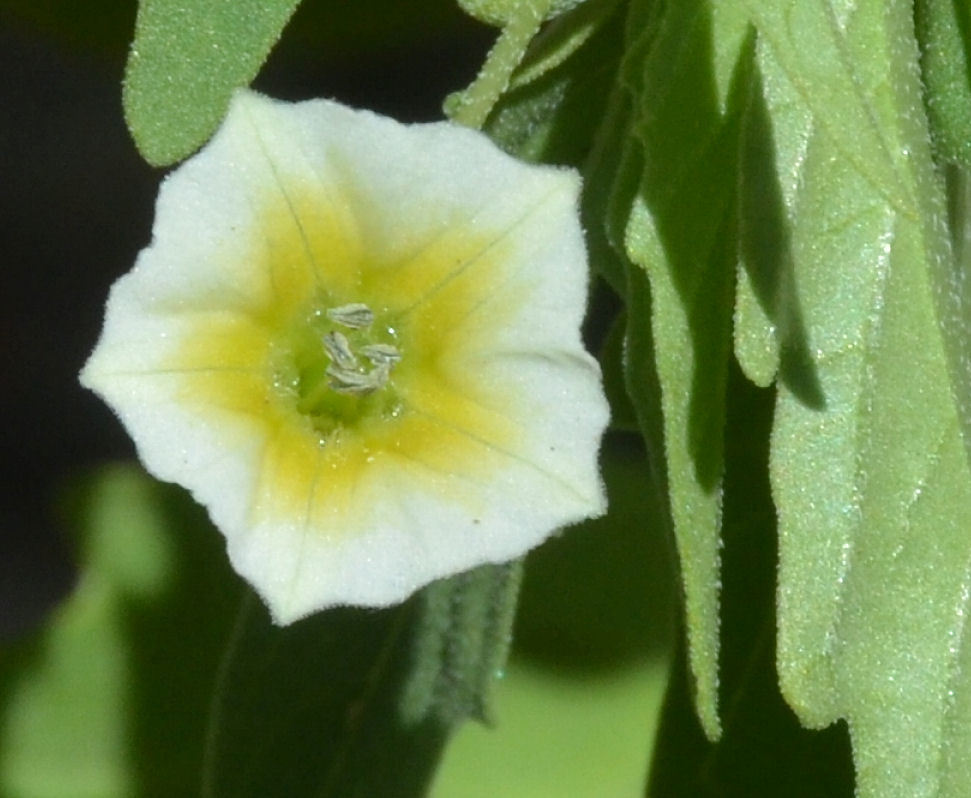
<point x="872" y="480"/>
<point x="187" y="58"/>
<point x="578" y="705"/>
<point x="681" y="232"/>
<point x="943" y="30"/>
<point x="763" y="751"/>
<point x="357" y="702"/>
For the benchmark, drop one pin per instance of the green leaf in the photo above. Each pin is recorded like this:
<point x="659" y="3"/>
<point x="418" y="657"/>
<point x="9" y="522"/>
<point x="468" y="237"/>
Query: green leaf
<point x="298" y="710"/>
<point x="565" y="107"/>
<point x="873" y="485"/>
<point x="611" y="173"/>
<point x="681" y="232"/>
<point x="461" y="644"/>
<point x="357" y="702"/>
<point x="622" y="414"/>
<point x="187" y="58"/>
<point x="521" y="23"/>
<point x="115" y="696"/>
<point x="554" y="116"/>
<point x="501" y="12"/>
<point x="582" y="735"/>
<point x="763" y="751"/>
<point x="943" y="30"/>
<point x="110" y="697"/>
<point x="561" y="39"/>
<point x="577" y="708"/>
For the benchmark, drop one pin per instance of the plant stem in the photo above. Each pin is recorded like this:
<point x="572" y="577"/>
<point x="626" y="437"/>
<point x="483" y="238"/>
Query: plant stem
<point x="482" y="94"/>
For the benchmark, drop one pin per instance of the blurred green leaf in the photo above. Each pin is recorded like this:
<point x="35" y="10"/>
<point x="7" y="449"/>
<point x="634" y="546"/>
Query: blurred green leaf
<point x="577" y="708"/>
<point x="187" y="58"/>
<point x="356" y="702"/>
<point x="162" y="669"/>
<point x="681" y="232"/>
<point x="559" y="734"/>
<point x="309" y="709"/>
<point x="110" y="697"/>
<point x="602" y="594"/>
<point x="873" y="486"/>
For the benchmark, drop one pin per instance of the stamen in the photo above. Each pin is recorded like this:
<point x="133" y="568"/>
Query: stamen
<point x="357" y="383"/>
<point x="339" y="350"/>
<point x="355" y="315"/>
<point x="345" y="373"/>
<point x="381" y="354"/>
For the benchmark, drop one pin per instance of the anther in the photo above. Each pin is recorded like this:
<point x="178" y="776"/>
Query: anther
<point x="357" y="383"/>
<point x="355" y="315"/>
<point x="381" y="354"/>
<point x="339" y="350"/>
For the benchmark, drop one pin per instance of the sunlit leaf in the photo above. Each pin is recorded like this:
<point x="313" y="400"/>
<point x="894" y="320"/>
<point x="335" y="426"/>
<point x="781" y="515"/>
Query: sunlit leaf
<point x="763" y="750"/>
<point x="872" y="481"/>
<point x="680" y="232"/>
<point x="187" y="58"/>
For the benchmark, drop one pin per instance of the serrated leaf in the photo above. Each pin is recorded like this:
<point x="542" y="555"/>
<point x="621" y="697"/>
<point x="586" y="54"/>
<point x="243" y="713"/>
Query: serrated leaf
<point x="187" y="58"/>
<point x="873" y="486"/>
<point x="680" y="231"/>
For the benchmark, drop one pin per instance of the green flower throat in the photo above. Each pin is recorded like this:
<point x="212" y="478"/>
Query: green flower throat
<point x="335" y="365"/>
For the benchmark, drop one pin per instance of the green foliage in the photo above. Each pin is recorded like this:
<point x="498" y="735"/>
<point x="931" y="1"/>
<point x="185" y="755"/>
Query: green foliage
<point x="776" y="193"/>
<point x="577" y="707"/>
<point x="111" y="697"/>
<point x="944" y="33"/>
<point x="680" y="231"/>
<point x="187" y="58"/>
<point x="500" y="12"/>
<point x="314" y="709"/>
<point x="873" y="488"/>
<point x="163" y="675"/>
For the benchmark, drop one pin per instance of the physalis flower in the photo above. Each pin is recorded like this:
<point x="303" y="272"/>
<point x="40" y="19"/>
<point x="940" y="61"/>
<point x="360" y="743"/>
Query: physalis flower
<point x="356" y="343"/>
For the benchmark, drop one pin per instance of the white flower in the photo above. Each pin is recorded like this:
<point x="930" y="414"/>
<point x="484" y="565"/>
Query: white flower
<point x="356" y="342"/>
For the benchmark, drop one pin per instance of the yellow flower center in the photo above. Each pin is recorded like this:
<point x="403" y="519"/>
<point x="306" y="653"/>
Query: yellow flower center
<point x="351" y="366"/>
<point x="335" y="366"/>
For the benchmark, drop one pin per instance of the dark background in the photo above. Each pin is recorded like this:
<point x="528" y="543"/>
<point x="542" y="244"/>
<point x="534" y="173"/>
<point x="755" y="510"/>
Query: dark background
<point x="76" y="205"/>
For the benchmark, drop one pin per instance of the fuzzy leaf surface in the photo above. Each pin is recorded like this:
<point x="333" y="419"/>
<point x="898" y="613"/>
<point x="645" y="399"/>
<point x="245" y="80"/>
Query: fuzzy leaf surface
<point x="680" y="232"/>
<point x="870" y="470"/>
<point x="187" y="58"/>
